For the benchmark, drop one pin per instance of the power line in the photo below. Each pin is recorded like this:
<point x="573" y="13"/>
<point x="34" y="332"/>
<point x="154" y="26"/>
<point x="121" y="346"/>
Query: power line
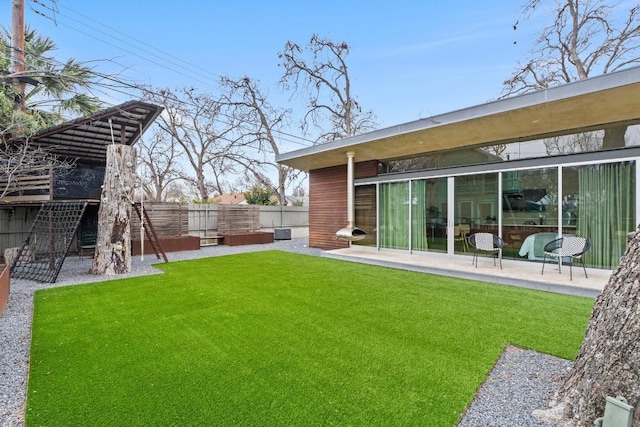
<point x="111" y="29"/>
<point x="205" y="73"/>
<point x="136" y="87"/>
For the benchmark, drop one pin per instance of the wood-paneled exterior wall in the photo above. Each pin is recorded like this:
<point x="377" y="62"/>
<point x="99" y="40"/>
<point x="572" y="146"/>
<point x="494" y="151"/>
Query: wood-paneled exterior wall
<point x="328" y="202"/>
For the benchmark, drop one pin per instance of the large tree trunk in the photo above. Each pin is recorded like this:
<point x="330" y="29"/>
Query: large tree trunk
<point x="113" y="245"/>
<point x="609" y="360"/>
<point x="614" y="137"/>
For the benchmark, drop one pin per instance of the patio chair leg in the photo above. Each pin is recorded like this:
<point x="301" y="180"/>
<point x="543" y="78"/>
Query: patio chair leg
<point x="559" y="265"/>
<point x="544" y="261"/>
<point x="584" y="268"/>
<point x="570" y="270"/>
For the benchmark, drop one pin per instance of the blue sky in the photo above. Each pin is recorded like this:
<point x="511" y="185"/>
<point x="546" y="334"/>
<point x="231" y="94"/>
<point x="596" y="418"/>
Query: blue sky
<point x="409" y="59"/>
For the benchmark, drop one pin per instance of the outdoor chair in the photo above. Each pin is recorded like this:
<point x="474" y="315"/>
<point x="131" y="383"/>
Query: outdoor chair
<point x="86" y="241"/>
<point x="486" y="242"/>
<point x="461" y="234"/>
<point x="567" y="247"/>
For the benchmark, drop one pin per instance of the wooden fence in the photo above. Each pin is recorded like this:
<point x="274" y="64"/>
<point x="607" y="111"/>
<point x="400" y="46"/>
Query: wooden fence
<point x="169" y="219"/>
<point x="203" y="219"/>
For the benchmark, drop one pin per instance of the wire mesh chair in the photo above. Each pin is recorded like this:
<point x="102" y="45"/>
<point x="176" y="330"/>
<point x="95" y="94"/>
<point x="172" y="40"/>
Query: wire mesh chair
<point x="486" y="242"/>
<point x="572" y="247"/>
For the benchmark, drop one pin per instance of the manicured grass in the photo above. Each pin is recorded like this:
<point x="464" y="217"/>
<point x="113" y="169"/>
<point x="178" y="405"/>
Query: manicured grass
<point x="280" y="339"/>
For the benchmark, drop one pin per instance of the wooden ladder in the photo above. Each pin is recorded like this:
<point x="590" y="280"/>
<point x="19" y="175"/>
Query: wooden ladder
<point x="150" y="232"/>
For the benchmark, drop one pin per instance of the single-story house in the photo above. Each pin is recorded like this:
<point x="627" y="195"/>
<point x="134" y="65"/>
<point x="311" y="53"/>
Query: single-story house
<point x="229" y="199"/>
<point x="559" y="161"/>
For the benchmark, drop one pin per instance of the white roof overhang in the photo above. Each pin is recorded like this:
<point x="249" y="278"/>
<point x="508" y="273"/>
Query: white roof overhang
<point x="582" y="105"/>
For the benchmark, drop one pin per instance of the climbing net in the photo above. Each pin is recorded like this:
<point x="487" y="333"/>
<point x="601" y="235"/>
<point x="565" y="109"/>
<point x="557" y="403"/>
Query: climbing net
<point x="42" y="254"/>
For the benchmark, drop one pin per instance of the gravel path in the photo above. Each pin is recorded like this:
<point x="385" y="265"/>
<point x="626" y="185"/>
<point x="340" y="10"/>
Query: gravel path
<point x="520" y="382"/>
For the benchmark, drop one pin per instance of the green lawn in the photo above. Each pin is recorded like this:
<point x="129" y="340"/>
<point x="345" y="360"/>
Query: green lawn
<point x="280" y="339"/>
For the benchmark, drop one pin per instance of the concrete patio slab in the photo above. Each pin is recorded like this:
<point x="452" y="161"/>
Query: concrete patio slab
<point x="525" y="274"/>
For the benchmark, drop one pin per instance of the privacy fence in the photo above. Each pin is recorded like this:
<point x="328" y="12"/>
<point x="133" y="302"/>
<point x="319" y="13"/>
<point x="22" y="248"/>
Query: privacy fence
<point x="206" y="219"/>
<point x="169" y="219"/>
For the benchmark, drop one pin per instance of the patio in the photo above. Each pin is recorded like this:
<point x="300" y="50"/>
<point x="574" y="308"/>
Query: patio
<point x="525" y="274"/>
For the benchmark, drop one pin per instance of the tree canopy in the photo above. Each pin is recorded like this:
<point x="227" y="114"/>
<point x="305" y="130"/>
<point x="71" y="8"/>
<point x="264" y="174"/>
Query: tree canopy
<point x="52" y="88"/>
<point x="584" y="38"/>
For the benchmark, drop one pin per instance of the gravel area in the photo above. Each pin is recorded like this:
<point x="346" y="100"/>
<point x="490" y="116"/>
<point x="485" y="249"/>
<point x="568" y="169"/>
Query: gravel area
<point x="521" y="381"/>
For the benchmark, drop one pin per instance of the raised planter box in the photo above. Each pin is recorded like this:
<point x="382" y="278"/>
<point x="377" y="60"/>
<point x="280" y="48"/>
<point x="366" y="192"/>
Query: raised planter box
<point x="169" y="244"/>
<point x="247" y="238"/>
<point x="4" y="286"/>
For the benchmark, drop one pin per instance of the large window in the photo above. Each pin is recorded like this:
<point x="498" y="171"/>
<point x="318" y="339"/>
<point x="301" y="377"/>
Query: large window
<point x="611" y="137"/>
<point x="365" y="213"/>
<point x="525" y="206"/>
<point x="394" y="215"/>
<point x="428" y="215"/>
<point x="599" y="201"/>
<point x="529" y="211"/>
<point x="476" y="207"/>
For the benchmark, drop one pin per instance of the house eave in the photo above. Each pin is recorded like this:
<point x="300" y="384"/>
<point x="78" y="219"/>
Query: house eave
<point x="582" y="105"/>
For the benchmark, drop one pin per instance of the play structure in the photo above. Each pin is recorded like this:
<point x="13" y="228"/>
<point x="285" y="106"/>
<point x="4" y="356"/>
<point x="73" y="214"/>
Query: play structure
<point x="66" y="205"/>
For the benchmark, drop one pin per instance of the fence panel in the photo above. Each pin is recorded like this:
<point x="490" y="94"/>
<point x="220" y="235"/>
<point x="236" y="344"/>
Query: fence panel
<point x="284" y="216"/>
<point x="15" y="224"/>
<point x="203" y="219"/>
<point x="168" y="219"/>
<point x="193" y="219"/>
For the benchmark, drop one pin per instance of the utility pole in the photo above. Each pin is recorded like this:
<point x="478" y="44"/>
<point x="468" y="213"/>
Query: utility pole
<point x="17" y="51"/>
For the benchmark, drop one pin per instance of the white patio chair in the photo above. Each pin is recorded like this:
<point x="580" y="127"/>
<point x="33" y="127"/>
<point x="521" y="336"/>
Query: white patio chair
<point x="486" y="242"/>
<point x="567" y="247"/>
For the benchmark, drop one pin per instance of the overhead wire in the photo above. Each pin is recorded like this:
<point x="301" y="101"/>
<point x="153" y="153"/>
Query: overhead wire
<point x="180" y="61"/>
<point x="118" y="82"/>
<point x="298" y="140"/>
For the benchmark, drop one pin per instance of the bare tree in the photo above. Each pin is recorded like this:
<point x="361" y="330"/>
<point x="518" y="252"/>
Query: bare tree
<point x="159" y="159"/>
<point x="21" y="159"/>
<point x="576" y="143"/>
<point x="585" y="38"/>
<point x="320" y="74"/>
<point x="209" y="143"/>
<point x="259" y="121"/>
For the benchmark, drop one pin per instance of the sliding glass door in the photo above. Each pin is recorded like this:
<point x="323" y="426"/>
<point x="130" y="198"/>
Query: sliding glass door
<point x="394" y="215"/>
<point x="528" y="208"/>
<point x="599" y="203"/>
<point x="429" y="215"/>
<point x="476" y="207"/>
<point x="530" y="211"/>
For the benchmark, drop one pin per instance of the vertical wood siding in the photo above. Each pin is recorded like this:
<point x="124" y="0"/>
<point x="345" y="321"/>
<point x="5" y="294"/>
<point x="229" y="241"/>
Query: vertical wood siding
<point x="328" y="202"/>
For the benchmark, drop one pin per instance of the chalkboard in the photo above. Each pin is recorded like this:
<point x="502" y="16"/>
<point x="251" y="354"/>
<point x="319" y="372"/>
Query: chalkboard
<point x="83" y="182"/>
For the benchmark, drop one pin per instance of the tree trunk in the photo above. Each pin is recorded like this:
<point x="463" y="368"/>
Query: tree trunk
<point x="608" y="363"/>
<point x="614" y="137"/>
<point x="113" y="244"/>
